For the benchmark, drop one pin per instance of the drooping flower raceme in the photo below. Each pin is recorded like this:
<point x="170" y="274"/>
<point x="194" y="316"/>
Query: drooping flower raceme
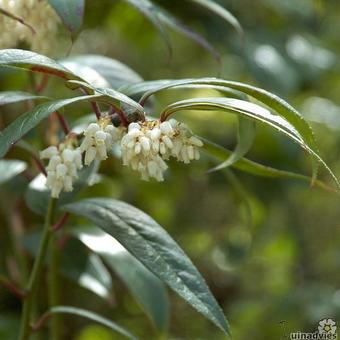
<point x="99" y="139"/>
<point x="147" y="145"/>
<point x="64" y="163"/>
<point x="38" y="14"/>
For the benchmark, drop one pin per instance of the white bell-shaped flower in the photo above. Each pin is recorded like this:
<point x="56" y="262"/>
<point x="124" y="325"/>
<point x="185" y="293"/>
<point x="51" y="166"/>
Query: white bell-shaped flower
<point x="64" y="163"/>
<point x="99" y="139"/>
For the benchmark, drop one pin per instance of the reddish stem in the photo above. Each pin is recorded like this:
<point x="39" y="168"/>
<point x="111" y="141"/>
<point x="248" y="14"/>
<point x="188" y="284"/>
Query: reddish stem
<point x="12" y="288"/>
<point x="96" y="109"/>
<point x="39" y="165"/>
<point x="63" y="123"/>
<point x="120" y="114"/>
<point x="61" y="222"/>
<point x="44" y="81"/>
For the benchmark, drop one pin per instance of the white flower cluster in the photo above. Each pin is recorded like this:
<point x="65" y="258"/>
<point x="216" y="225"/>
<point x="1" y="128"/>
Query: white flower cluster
<point x="99" y="138"/>
<point x="64" y="163"/>
<point x="38" y="14"/>
<point x="147" y="144"/>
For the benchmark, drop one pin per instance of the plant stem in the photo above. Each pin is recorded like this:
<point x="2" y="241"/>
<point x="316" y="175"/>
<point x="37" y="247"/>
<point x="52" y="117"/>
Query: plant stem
<point x="53" y="287"/>
<point x="33" y="281"/>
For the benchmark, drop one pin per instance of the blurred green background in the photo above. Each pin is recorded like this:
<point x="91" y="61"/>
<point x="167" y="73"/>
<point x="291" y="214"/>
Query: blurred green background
<point x="268" y="249"/>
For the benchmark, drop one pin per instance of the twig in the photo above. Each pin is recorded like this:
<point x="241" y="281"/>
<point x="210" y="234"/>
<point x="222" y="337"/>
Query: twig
<point x="63" y="123"/>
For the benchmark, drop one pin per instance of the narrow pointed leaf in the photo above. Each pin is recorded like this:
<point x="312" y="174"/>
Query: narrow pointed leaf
<point x="108" y="95"/>
<point x="10" y="168"/>
<point x="71" y="12"/>
<point x="222" y="12"/>
<point x="148" y="290"/>
<point x="274" y="102"/>
<point x="245" y="139"/>
<point x="90" y="316"/>
<point x="34" y="62"/>
<point x="27" y="121"/>
<point x="220" y="153"/>
<point x="154" y="247"/>
<point x="96" y="68"/>
<point x="11" y="97"/>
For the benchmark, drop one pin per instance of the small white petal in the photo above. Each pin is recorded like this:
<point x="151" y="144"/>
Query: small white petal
<point x="138" y="148"/>
<point x="90" y="155"/>
<point x="166" y="128"/>
<point x="135" y="133"/>
<point x="167" y="141"/>
<point x="68" y="183"/>
<point x="68" y="155"/>
<point x="100" y="136"/>
<point x="49" y="152"/>
<point x="155" y="133"/>
<point x="61" y="170"/>
<point x="134" y="126"/>
<point x="91" y="129"/>
<point x="162" y="148"/>
<point x="54" y="161"/>
<point x="86" y="143"/>
<point x="145" y="143"/>
<point x="191" y="152"/>
<point x="101" y="150"/>
<point x="195" y="141"/>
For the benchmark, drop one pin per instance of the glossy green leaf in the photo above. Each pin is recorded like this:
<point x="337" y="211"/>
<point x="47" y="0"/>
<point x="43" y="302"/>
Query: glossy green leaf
<point x="220" y="153"/>
<point x="148" y="290"/>
<point x="11" y="97"/>
<point x="100" y="70"/>
<point x="154" y="247"/>
<point x="10" y="168"/>
<point x="34" y="62"/>
<point x="271" y="100"/>
<point x="27" y="121"/>
<point x="150" y="11"/>
<point x="85" y="269"/>
<point x="217" y="9"/>
<point x="71" y="13"/>
<point x="91" y="316"/>
<point x="245" y="139"/>
<point x="108" y="95"/>
<point x="239" y="107"/>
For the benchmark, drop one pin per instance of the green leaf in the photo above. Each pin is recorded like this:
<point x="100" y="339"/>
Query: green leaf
<point x="71" y="13"/>
<point x="245" y="139"/>
<point x="10" y="168"/>
<point x="271" y="100"/>
<point x="154" y="247"/>
<point x="150" y="11"/>
<point x="257" y="169"/>
<point x="222" y="12"/>
<point x="27" y="121"/>
<point x="34" y="62"/>
<point x="108" y="95"/>
<point x="97" y="70"/>
<point x="148" y="290"/>
<point x="11" y="97"/>
<point x="85" y="269"/>
<point x="239" y="107"/>
<point x="91" y="316"/>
